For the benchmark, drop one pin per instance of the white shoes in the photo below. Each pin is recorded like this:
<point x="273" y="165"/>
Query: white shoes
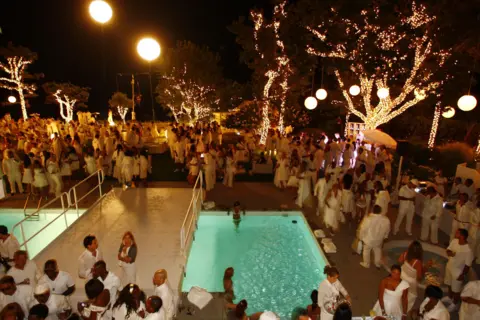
<point x="363" y="264"/>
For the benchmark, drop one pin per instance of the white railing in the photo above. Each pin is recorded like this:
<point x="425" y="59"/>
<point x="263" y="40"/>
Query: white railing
<point x="66" y="201"/>
<point x="190" y="221"/>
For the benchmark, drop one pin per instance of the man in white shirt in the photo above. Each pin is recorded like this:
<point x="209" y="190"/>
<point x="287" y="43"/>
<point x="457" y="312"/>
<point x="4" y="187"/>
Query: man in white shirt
<point x="457" y="188"/>
<point x="431" y="214"/>
<point x="60" y="282"/>
<point x="374" y="229"/>
<point x="88" y="258"/>
<point x="460" y="259"/>
<point x="9" y="293"/>
<point x="382" y="197"/>
<point x="463" y="214"/>
<point x="110" y="281"/>
<point x="432" y="308"/>
<point x="468" y="188"/>
<point x="11" y="167"/>
<point x="154" y="308"/>
<point x="470" y="309"/>
<point x="24" y="271"/>
<point x="162" y="289"/>
<point x="8" y="245"/>
<point x="58" y="306"/>
<point x="406" y="196"/>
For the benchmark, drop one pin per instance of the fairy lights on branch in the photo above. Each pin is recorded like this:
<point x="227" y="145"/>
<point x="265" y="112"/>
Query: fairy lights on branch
<point x="15" y="69"/>
<point x="433" y="131"/>
<point x="397" y="69"/>
<point x="66" y="105"/>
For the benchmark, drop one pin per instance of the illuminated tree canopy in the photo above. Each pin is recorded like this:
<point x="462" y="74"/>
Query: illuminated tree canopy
<point x="68" y="96"/>
<point x="121" y="104"/>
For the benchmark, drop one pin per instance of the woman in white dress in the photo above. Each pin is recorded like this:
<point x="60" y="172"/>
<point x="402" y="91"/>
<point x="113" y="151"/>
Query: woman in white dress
<point x="330" y="292"/>
<point x="281" y="172"/>
<point x="432" y="307"/>
<point x="348" y="199"/>
<point x="40" y="182"/>
<point x="90" y="163"/>
<point x="321" y="190"/>
<point x="127" y="168"/>
<point x="440" y="182"/>
<point x="293" y="180"/>
<point x="27" y="172"/>
<point x="393" y="296"/>
<point x="117" y="159"/>
<point x="127" y="254"/>
<point x="229" y="170"/>
<point x="303" y="185"/>
<point x="129" y="304"/>
<point x="144" y="165"/>
<point x="382" y="197"/>
<point x="54" y="171"/>
<point x="332" y="206"/>
<point x="413" y="270"/>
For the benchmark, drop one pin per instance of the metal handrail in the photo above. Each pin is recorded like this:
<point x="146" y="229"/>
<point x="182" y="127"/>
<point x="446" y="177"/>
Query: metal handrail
<point x="65" y="209"/>
<point x="191" y="216"/>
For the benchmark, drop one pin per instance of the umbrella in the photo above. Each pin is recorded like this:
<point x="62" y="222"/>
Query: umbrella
<point x="379" y="137"/>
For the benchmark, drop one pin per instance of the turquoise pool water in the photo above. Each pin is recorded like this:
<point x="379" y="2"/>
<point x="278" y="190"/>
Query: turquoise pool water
<point x="277" y="262"/>
<point x="10" y="217"/>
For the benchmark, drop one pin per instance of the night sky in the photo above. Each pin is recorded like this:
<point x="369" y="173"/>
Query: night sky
<point x="69" y="42"/>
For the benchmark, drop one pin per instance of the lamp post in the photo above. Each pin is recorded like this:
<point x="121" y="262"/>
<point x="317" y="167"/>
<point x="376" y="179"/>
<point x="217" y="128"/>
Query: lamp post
<point x="149" y="50"/>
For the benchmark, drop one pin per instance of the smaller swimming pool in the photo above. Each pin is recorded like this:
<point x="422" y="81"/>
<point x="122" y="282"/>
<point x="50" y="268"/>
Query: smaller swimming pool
<point x="10" y="217"/>
<point x="276" y="258"/>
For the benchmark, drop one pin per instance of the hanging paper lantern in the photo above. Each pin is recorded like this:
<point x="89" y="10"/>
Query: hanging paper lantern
<point x="383" y="93"/>
<point x="321" y="94"/>
<point x="354" y="90"/>
<point x="311" y="103"/>
<point x="12" y="99"/>
<point x="467" y="103"/>
<point x="448" y="112"/>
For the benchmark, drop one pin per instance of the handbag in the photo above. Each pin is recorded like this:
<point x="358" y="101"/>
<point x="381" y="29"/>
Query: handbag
<point x="357" y="246"/>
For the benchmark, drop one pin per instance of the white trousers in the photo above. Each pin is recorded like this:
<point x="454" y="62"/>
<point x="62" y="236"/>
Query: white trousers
<point x="57" y="181"/>
<point x="209" y="179"/>
<point x="15" y="178"/>
<point x="429" y="226"/>
<point x="377" y="254"/>
<point x="408" y="212"/>
<point x="228" y="179"/>
<point x="129" y="273"/>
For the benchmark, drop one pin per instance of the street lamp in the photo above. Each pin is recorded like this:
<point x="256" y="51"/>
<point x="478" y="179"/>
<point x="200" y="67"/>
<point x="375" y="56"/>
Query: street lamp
<point x="12" y="99"/>
<point x="100" y="11"/>
<point x="149" y="49"/>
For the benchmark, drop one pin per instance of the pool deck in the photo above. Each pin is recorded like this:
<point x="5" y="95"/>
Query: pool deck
<point x="153" y="215"/>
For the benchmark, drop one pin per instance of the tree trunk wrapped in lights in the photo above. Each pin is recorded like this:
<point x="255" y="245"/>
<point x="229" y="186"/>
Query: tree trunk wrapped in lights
<point x="434" y="130"/>
<point x="17" y="61"/>
<point x="399" y="56"/>
<point x="120" y="102"/>
<point x="68" y="96"/>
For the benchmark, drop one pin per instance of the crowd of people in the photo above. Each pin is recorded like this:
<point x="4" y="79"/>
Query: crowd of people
<point x="41" y="155"/>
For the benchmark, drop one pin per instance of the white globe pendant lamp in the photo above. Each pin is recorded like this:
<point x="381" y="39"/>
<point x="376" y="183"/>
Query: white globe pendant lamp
<point x="12" y="99"/>
<point x="311" y="103"/>
<point x="448" y="112"/>
<point x="467" y="103"/>
<point x="321" y="94"/>
<point x="354" y="90"/>
<point x="383" y="93"/>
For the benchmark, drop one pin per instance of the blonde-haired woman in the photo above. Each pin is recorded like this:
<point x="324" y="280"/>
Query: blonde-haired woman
<point x="127" y="254"/>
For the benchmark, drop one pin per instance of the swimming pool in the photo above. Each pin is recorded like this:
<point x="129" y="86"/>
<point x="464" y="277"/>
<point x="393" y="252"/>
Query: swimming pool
<point x="277" y="262"/>
<point x="10" y="217"/>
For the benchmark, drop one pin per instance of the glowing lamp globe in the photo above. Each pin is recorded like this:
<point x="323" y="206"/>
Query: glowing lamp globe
<point x="148" y="49"/>
<point x="311" y="103"/>
<point x="354" y="90"/>
<point x="383" y="93"/>
<point x="12" y="99"/>
<point x="448" y="112"/>
<point x="100" y="11"/>
<point x="321" y="94"/>
<point x="467" y="103"/>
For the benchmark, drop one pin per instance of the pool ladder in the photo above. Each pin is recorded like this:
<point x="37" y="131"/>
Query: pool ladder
<point x="35" y="216"/>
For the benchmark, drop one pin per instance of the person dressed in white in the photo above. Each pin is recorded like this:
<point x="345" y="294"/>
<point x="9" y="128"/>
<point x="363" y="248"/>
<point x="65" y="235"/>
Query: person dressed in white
<point x="11" y="168"/>
<point x="431" y="214"/>
<point x="393" y="296"/>
<point x="88" y="258"/>
<point x="11" y="293"/>
<point x="303" y="185"/>
<point x="318" y="157"/>
<point x="413" y="269"/>
<point x="129" y="304"/>
<point x="127" y="168"/>
<point x="373" y="230"/>
<point x="470" y="309"/>
<point x="8" y="245"/>
<point x="382" y="197"/>
<point x="209" y="170"/>
<point x="127" y="254"/>
<point x="330" y="291"/>
<point x="332" y="206"/>
<point x="463" y="213"/>
<point x="321" y="190"/>
<point x="154" y="308"/>
<point x="432" y="307"/>
<point x="60" y="282"/>
<point x="110" y="281"/>
<point x="440" y="182"/>
<point x="347" y="156"/>
<point x="58" y="307"/>
<point x="460" y="259"/>
<point x="406" y="209"/>
<point x="24" y="271"/>
<point x="230" y="169"/>
<point x="54" y="171"/>
<point x="179" y="148"/>
<point x="281" y="172"/>
<point x="162" y="289"/>
<point x="473" y="232"/>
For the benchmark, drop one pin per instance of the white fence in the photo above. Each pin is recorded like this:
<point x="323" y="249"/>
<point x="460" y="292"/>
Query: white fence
<point x="67" y="203"/>
<point x="190" y="222"/>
